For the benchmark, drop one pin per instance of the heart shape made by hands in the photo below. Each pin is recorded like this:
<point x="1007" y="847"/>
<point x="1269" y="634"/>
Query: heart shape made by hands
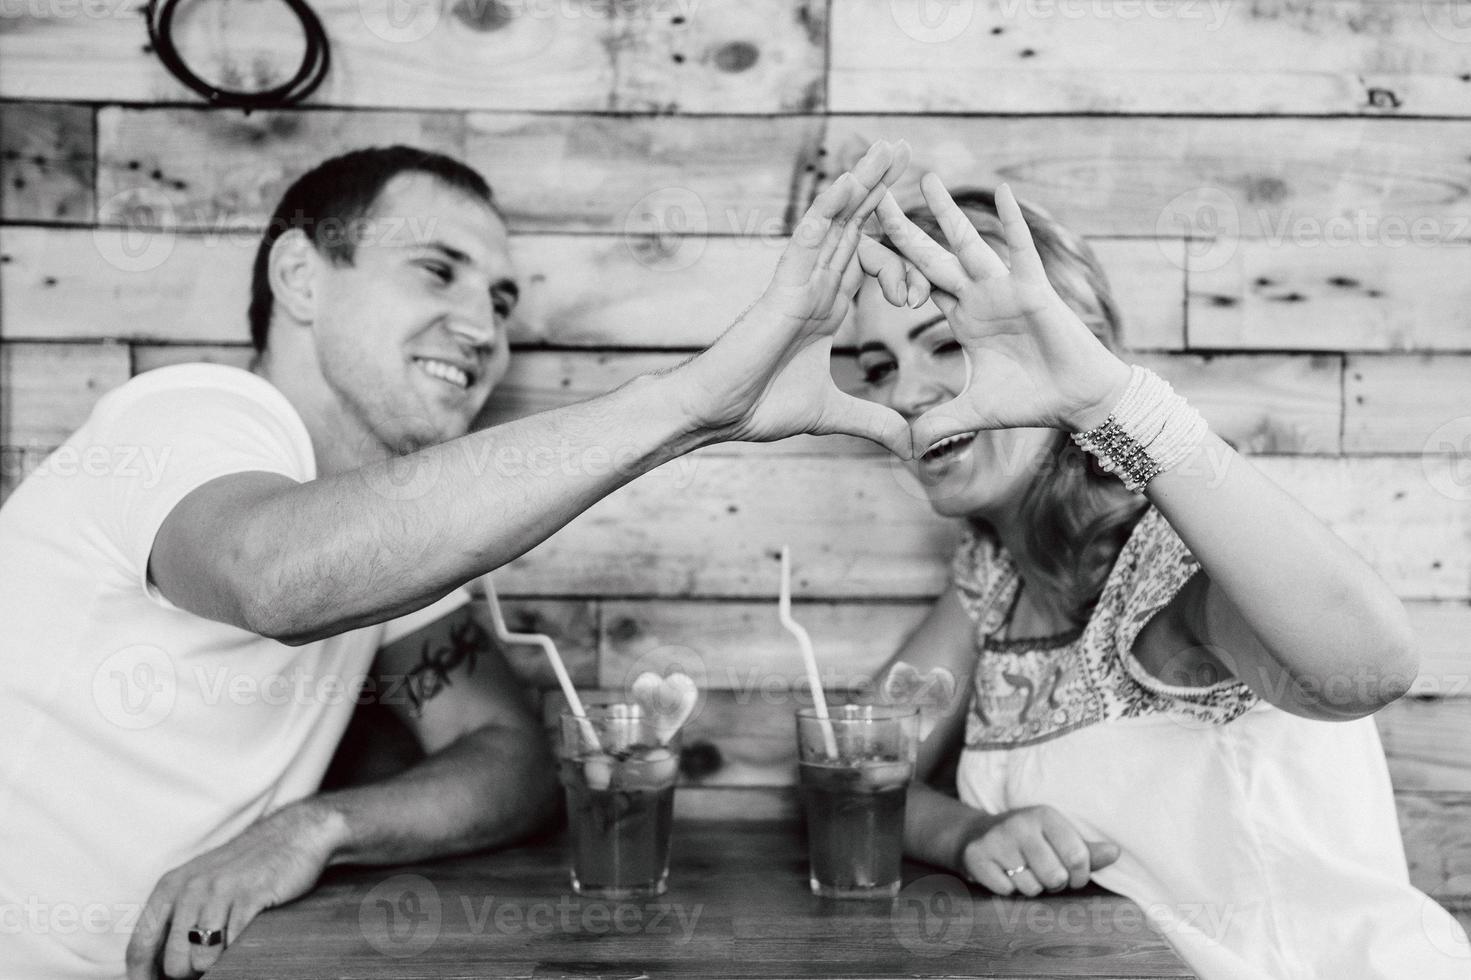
<point x="668" y="700"/>
<point x="906" y="684"/>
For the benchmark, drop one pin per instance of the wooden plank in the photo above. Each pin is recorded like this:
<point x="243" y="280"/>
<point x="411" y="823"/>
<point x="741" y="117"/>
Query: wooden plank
<point x="762" y="56"/>
<point x="1179" y="177"/>
<point x="1436" y="828"/>
<point x="1264" y="404"/>
<point x="478" y="54"/>
<point x="1408" y="404"/>
<point x="1425" y="740"/>
<point x="578" y="290"/>
<point x="709" y="525"/>
<point x="1269" y="57"/>
<point x="638" y="290"/>
<point x="61" y="284"/>
<point x="221" y="172"/>
<point x="645" y="176"/>
<point x="1443" y="630"/>
<point x="1148" y="282"/>
<point x="49" y="389"/>
<point x="1391" y="511"/>
<point x="742" y="647"/>
<point x="46" y="165"/>
<point x="1372" y="291"/>
<point x="712" y="525"/>
<point x="147" y="357"/>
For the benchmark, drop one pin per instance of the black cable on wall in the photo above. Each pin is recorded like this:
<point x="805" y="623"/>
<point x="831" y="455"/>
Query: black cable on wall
<point x="309" y="75"/>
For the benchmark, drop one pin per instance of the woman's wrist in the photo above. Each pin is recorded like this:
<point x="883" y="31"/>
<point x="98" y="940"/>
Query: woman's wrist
<point x="971" y="830"/>
<point x="1113" y="382"/>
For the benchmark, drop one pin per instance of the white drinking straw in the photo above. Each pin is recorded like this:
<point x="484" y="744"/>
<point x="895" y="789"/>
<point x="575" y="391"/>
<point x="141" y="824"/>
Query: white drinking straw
<point x="784" y="612"/>
<point x="498" y="620"/>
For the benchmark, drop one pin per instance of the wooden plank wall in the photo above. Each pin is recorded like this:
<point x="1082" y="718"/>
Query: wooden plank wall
<point x="1281" y="193"/>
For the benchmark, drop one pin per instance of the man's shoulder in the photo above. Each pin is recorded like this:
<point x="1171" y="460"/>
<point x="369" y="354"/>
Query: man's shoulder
<point x="199" y="377"/>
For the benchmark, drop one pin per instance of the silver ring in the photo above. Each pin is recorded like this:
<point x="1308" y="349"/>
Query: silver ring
<point x="1013" y="872"/>
<point x="206" y="937"/>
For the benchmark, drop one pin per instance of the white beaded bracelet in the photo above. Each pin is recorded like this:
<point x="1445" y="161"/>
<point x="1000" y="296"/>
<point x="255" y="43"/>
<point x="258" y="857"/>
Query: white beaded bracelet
<point x="1150" y="430"/>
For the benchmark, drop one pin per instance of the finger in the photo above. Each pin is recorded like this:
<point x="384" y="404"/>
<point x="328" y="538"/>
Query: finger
<point x="242" y="913"/>
<point x="976" y="257"/>
<point x="937" y="265"/>
<point x="867" y="420"/>
<point x="214" y="915"/>
<point x="1023" y="881"/>
<point x="841" y="244"/>
<point x="869" y="173"/>
<point x="1024" y="257"/>
<point x="148" y="935"/>
<point x="977" y="861"/>
<point x="1042" y="861"/>
<point x="1102" y="853"/>
<point x="941" y="422"/>
<point x="188" y="913"/>
<point x="1071" y="851"/>
<point x="881" y="189"/>
<point x="890" y="270"/>
<point x="852" y="279"/>
<point x="800" y="256"/>
<point x="918" y="286"/>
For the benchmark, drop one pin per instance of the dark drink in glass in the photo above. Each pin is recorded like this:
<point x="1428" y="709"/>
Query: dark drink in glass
<point x="620" y="802"/>
<point x="853" y="801"/>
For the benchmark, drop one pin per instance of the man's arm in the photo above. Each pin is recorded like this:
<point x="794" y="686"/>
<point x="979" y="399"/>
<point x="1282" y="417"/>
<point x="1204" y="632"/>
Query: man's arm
<point x="489" y="779"/>
<point x="298" y="562"/>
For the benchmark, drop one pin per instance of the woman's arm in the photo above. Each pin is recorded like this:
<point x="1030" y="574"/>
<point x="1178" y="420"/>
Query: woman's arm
<point x="1282" y="603"/>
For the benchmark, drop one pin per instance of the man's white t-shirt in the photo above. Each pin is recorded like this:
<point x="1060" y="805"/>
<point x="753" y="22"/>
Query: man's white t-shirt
<point x="138" y="735"/>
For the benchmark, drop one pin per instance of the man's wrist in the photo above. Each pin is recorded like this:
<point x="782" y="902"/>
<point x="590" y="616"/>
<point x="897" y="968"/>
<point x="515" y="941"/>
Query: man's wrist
<point x="320" y="825"/>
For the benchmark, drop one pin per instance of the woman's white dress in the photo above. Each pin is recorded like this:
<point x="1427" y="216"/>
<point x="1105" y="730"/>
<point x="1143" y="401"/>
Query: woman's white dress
<point x="1260" y="844"/>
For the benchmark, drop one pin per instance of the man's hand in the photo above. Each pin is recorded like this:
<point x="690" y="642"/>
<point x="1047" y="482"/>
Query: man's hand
<point x="768" y="376"/>
<point x="275" y="860"/>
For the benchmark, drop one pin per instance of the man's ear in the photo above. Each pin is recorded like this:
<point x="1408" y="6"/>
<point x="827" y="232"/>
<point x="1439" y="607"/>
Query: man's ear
<point x="294" y="267"/>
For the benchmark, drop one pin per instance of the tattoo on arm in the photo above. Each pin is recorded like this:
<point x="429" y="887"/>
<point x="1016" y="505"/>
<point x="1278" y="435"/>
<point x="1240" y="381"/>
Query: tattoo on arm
<point x="431" y="674"/>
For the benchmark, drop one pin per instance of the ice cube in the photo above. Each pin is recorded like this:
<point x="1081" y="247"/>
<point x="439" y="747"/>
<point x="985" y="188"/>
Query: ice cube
<point x="653" y="769"/>
<point x="884" y="774"/>
<point x="597" y="771"/>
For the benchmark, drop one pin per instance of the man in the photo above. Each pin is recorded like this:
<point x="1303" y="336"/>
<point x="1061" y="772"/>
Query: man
<point x="185" y="642"/>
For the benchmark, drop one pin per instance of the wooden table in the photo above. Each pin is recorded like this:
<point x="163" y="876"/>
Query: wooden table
<point x="737" y="906"/>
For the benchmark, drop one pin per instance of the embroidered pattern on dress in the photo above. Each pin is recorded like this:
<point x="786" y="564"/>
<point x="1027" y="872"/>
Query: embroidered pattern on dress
<point x="1033" y="690"/>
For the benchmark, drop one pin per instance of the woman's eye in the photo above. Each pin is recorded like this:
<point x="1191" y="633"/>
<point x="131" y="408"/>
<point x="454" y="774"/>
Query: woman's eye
<point x="440" y="272"/>
<point x="947" y="347"/>
<point x="874" y="373"/>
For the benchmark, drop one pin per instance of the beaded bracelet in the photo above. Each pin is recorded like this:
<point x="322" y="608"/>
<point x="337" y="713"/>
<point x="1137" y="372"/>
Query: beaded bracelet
<point x="1150" y="430"/>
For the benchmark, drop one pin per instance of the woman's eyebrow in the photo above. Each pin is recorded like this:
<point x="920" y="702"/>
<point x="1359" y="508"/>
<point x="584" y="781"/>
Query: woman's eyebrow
<point x="915" y="331"/>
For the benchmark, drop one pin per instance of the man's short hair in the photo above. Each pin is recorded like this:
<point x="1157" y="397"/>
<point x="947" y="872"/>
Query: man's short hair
<point x="337" y="195"/>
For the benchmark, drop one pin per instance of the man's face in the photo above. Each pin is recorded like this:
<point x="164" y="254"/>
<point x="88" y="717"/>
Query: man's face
<point x="411" y="337"/>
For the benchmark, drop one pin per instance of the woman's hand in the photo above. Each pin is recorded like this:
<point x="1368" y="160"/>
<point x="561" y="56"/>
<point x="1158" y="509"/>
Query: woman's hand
<point x="1032" y="362"/>
<point x="768" y="376"/>
<point x="1040" y="838"/>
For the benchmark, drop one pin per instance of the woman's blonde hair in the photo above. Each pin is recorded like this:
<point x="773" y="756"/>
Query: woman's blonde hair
<point x="1075" y="517"/>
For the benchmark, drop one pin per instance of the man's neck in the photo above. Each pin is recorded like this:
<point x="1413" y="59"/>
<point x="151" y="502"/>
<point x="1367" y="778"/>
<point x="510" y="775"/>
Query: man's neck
<point x="335" y="448"/>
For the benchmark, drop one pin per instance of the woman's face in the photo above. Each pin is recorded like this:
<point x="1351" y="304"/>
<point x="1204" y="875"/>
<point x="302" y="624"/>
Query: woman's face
<point x="911" y="362"/>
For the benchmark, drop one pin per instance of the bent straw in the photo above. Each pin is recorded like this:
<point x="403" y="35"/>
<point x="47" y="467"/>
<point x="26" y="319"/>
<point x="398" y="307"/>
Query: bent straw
<point x="498" y="620"/>
<point x="784" y="613"/>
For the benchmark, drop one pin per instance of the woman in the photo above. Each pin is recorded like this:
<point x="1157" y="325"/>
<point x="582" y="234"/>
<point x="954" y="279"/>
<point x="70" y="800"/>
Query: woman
<point x="1171" y="684"/>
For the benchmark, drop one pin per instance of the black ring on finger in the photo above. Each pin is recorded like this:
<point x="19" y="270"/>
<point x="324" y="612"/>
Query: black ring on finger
<point x="206" y="937"/>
